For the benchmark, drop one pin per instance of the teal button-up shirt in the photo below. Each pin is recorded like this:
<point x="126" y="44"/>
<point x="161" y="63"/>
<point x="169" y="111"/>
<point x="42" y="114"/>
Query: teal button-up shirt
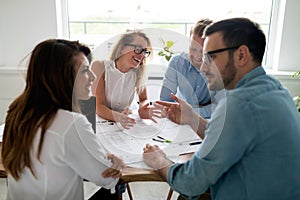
<point x="251" y="149"/>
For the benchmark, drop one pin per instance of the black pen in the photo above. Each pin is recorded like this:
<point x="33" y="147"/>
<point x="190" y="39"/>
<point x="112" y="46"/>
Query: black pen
<point x="195" y="143"/>
<point x="156" y="140"/>
<point x="161" y="137"/>
<point x="105" y="122"/>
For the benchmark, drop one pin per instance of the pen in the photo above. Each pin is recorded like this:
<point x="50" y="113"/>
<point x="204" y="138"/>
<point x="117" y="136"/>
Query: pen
<point x="156" y="140"/>
<point x="150" y="103"/>
<point x="161" y="137"/>
<point x="105" y="122"/>
<point x="165" y="140"/>
<point x="195" y="143"/>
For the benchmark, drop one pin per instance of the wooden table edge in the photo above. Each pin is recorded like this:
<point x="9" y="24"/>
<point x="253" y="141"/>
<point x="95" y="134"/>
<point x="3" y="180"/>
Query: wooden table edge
<point x="132" y="174"/>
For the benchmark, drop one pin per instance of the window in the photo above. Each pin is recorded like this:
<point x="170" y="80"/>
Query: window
<point x="93" y="21"/>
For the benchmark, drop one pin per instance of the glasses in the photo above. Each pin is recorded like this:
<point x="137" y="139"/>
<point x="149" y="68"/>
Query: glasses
<point x="207" y="57"/>
<point x="138" y="50"/>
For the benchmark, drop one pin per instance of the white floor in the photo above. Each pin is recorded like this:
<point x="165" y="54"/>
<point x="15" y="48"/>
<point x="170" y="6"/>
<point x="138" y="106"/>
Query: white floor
<point x="139" y="190"/>
<point x="2" y="188"/>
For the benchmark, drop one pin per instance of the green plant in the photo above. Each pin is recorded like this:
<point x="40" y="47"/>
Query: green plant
<point x="166" y="51"/>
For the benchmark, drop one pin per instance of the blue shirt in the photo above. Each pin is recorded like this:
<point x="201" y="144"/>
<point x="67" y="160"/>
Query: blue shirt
<point x="251" y="149"/>
<point x="186" y="82"/>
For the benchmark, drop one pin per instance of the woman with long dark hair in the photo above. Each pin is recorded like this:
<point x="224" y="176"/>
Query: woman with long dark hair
<point x="49" y="147"/>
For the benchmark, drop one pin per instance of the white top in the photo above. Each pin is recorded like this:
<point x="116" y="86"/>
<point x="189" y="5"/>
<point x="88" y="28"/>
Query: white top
<point x="70" y="153"/>
<point x="1" y="132"/>
<point x="119" y="86"/>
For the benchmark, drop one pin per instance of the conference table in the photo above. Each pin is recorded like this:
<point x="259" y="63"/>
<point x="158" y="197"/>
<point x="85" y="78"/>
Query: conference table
<point x="178" y="142"/>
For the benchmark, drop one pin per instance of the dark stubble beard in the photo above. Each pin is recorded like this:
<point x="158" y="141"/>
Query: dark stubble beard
<point x="225" y="77"/>
<point x="229" y="73"/>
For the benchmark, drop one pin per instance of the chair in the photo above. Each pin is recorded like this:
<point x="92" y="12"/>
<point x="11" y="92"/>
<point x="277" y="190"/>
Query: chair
<point x="88" y="108"/>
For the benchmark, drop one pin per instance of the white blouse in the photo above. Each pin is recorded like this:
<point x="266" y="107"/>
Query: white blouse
<point x="119" y="87"/>
<point x="71" y="152"/>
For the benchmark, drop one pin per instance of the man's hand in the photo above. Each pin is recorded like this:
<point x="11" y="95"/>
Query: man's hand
<point x="179" y="112"/>
<point x="150" y="112"/>
<point x="155" y="157"/>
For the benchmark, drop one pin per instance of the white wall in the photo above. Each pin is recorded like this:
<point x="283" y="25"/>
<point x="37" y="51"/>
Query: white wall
<point x="289" y="58"/>
<point x="25" y="23"/>
<point x="11" y="85"/>
<point x="22" y="25"/>
<point x="284" y="47"/>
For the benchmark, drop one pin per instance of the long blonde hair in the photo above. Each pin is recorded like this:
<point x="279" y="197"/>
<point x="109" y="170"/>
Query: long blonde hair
<point x="49" y="86"/>
<point x="127" y="38"/>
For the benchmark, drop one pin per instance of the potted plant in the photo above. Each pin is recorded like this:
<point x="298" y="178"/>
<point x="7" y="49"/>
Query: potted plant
<point x="166" y="51"/>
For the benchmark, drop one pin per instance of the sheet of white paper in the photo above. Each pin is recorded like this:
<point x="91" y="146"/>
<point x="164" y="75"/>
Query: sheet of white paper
<point x="129" y="144"/>
<point x="145" y="128"/>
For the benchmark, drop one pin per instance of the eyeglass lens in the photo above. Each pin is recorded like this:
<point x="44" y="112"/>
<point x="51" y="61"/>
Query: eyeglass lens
<point x="138" y="50"/>
<point x="206" y="58"/>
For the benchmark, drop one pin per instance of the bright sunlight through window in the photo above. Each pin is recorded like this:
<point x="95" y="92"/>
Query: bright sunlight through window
<point x="93" y="21"/>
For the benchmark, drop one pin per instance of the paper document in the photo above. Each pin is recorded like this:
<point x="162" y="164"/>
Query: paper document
<point x="129" y="144"/>
<point x="145" y="128"/>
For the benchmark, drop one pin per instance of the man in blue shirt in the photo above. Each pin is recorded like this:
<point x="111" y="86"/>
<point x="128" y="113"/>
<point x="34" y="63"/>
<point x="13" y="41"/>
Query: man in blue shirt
<point x="183" y="77"/>
<point x="251" y="146"/>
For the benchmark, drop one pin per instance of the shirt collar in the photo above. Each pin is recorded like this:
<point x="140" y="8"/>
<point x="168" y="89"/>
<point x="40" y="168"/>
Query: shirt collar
<point x="217" y="96"/>
<point x="191" y="67"/>
<point x="257" y="71"/>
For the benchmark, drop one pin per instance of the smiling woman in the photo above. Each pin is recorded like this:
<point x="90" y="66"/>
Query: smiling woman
<point x="122" y="77"/>
<point x="84" y="77"/>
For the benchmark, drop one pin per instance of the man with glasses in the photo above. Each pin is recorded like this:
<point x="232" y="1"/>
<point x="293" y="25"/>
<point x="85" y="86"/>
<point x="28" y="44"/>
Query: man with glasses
<point x="251" y="146"/>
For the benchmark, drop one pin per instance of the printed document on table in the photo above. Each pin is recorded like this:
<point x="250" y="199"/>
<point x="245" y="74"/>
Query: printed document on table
<point x="128" y="144"/>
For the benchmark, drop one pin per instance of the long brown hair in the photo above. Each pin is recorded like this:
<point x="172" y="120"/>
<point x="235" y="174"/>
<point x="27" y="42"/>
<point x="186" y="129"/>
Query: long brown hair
<point x="49" y="86"/>
<point x="127" y="38"/>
